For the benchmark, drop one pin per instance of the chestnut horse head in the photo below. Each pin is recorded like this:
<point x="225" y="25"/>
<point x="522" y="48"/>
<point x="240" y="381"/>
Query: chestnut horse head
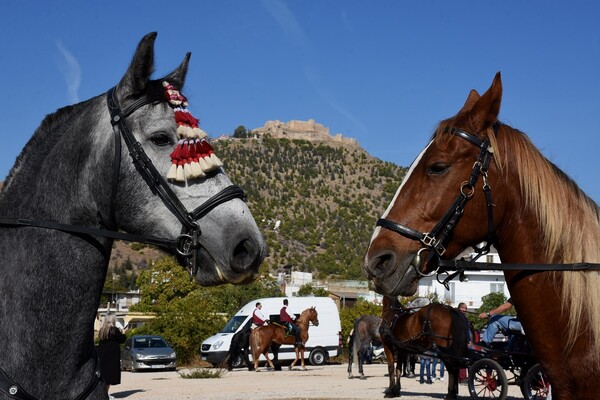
<point x="479" y="180"/>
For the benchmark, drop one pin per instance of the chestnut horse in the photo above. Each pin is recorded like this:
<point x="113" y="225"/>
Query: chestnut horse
<point x="435" y="329"/>
<point x="262" y="337"/>
<point x="535" y="215"/>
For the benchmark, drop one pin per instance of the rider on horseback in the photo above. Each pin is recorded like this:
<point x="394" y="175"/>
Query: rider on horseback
<point x="287" y="320"/>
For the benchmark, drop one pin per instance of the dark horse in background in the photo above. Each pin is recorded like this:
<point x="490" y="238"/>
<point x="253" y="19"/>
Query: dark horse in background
<point x="535" y="215"/>
<point x="435" y="329"/>
<point x="365" y="332"/>
<point x="73" y="189"/>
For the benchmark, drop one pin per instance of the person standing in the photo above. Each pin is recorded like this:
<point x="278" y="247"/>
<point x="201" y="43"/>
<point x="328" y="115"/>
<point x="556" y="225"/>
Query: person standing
<point x="109" y="351"/>
<point x="258" y="318"/>
<point x="425" y="367"/>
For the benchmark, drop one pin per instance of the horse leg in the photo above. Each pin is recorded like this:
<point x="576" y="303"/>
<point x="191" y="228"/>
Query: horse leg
<point x="362" y="355"/>
<point x="350" y="358"/>
<point x="393" y="390"/>
<point x="275" y="350"/>
<point x="301" y="351"/>
<point x="295" y="358"/>
<point x="452" y="383"/>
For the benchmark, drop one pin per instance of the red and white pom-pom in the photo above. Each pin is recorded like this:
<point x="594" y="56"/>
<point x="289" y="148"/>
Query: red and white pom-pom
<point x="193" y="156"/>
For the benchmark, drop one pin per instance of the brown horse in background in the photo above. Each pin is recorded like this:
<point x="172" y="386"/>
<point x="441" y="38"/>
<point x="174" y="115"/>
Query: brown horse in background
<point x="528" y="209"/>
<point x="262" y="337"/>
<point x="435" y="329"/>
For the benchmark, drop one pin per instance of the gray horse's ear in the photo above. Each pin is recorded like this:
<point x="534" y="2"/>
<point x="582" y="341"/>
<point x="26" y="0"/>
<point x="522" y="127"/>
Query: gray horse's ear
<point x="177" y="77"/>
<point x="136" y="78"/>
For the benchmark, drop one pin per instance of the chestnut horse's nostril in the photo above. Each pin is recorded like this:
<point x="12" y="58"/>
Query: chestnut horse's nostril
<point x="247" y="256"/>
<point x="381" y="265"/>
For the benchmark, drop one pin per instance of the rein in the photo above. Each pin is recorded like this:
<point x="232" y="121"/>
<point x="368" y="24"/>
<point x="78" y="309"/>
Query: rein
<point x="434" y="240"/>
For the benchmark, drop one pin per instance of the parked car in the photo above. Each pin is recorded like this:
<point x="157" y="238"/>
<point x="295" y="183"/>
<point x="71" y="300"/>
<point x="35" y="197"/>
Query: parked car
<point x="147" y="352"/>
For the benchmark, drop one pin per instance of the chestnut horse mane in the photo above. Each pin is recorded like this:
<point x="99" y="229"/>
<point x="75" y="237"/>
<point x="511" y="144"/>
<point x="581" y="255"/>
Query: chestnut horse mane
<point x="569" y="219"/>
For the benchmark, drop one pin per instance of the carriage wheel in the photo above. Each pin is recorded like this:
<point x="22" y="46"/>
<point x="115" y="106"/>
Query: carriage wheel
<point x="487" y="380"/>
<point x="535" y="385"/>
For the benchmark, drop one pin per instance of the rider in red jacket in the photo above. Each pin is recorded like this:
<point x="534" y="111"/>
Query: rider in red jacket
<point x="288" y="320"/>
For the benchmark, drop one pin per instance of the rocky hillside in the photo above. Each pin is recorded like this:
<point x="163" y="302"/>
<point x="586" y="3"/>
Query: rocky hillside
<point x="316" y="203"/>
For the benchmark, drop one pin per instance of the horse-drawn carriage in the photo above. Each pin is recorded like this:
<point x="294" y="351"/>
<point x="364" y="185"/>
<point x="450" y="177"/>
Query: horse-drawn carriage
<point x="487" y="369"/>
<point x="435" y="330"/>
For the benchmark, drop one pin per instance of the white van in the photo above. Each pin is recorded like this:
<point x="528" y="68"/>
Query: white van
<point x="324" y="341"/>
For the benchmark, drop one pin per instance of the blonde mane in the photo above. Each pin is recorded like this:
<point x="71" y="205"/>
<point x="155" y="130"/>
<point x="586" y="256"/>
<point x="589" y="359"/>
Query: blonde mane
<point x="570" y="224"/>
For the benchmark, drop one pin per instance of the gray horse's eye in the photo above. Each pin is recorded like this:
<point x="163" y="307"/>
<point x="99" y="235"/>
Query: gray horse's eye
<point x="161" y="139"/>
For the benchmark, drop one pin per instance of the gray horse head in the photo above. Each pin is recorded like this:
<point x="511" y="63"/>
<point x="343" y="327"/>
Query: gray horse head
<point x="231" y="246"/>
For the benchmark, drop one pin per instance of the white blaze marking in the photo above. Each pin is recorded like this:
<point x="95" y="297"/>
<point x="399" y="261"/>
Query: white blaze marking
<point x="389" y="209"/>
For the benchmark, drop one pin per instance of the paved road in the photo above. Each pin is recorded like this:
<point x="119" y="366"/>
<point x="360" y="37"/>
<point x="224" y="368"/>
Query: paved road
<point x="326" y="382"/>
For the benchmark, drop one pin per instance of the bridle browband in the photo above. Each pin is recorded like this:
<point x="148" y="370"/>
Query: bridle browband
<point x="434" y="240"/>
<point x="186" y="244"/>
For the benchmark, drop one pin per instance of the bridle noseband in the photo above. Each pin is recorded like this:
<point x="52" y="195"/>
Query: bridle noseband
<point x="434" y="240"/>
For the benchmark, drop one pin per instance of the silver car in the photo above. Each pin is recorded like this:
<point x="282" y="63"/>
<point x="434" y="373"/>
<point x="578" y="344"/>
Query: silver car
<point x="147" y="352"/>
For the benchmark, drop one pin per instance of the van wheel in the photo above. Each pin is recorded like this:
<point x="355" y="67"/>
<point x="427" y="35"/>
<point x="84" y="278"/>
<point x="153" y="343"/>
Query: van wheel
<point x="317" y="357"/>
<point x="238" y="362"/>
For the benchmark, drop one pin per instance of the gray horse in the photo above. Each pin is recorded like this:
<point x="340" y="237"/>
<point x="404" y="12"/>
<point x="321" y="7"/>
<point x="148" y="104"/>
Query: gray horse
<point x="365" y="332"/>
<point x="94" y="172"/>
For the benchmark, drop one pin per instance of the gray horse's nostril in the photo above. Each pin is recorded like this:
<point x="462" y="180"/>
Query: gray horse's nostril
<point x="246" y="256"/>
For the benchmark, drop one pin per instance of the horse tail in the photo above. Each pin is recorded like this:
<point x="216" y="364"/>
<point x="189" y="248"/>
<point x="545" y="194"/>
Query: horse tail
<point x="460" y="333"/>
<point x="356" y="339"/>
<point x="255" y="342"/>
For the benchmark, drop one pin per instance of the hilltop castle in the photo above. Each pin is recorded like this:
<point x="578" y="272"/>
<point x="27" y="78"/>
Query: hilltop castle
<point x="302" y="130"/>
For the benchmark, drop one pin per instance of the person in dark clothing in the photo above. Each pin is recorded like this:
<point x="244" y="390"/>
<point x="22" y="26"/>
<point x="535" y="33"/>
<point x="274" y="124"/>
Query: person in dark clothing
<point x="288" y="320"/>
<point x="109" y="351"/>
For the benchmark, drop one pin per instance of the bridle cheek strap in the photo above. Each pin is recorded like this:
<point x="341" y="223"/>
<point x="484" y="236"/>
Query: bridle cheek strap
<point x="434" y="240"/>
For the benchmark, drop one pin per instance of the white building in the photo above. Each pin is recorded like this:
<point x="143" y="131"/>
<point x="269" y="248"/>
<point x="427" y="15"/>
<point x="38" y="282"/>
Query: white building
<point x="475" y="285"/>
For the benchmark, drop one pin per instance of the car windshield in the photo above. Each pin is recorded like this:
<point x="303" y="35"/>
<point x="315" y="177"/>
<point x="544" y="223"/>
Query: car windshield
<point x="233" y="324"/>
<point x="146" y="342"/>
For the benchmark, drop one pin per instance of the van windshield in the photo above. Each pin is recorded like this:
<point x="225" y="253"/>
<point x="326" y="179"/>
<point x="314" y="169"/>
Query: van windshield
<point x="233" y="324"/>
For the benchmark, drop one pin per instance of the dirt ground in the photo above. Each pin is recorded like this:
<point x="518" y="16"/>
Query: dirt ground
<point x="323" y="382"/>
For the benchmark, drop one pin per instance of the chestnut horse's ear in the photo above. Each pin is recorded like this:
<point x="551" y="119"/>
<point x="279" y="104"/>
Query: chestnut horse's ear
<point x="486" y="109"/>
<point x="473" y="97"/>
<point x="138" y="74"/>
<point x="177" y="77"/>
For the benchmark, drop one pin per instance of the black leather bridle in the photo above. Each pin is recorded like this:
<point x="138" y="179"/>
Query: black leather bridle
<point x="434" y="240"/>
<point x="186" y="245"/>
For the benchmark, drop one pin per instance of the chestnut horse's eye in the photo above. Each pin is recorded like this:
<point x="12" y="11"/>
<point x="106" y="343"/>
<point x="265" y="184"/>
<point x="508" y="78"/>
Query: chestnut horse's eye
<point x="161" y="139"/>
<point x="437" y="169"/>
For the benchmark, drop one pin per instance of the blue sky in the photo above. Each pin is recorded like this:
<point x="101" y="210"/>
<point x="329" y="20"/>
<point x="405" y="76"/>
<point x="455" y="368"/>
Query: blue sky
<point x="383" y="72"/>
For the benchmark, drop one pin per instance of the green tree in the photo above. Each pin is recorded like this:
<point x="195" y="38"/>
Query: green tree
<point x="489" y="302"/>
<point x="240" y="132"/>
<point x="308" y="289"/>
<point x="164" y="281"/>
<point x="361" y="307"/>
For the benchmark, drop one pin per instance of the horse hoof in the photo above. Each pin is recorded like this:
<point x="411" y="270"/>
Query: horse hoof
<point x="350" y="376"/>
<point x="362" y="377"/>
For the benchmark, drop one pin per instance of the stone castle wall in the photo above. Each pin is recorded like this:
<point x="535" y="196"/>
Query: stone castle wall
<point x="301" y="130"/>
